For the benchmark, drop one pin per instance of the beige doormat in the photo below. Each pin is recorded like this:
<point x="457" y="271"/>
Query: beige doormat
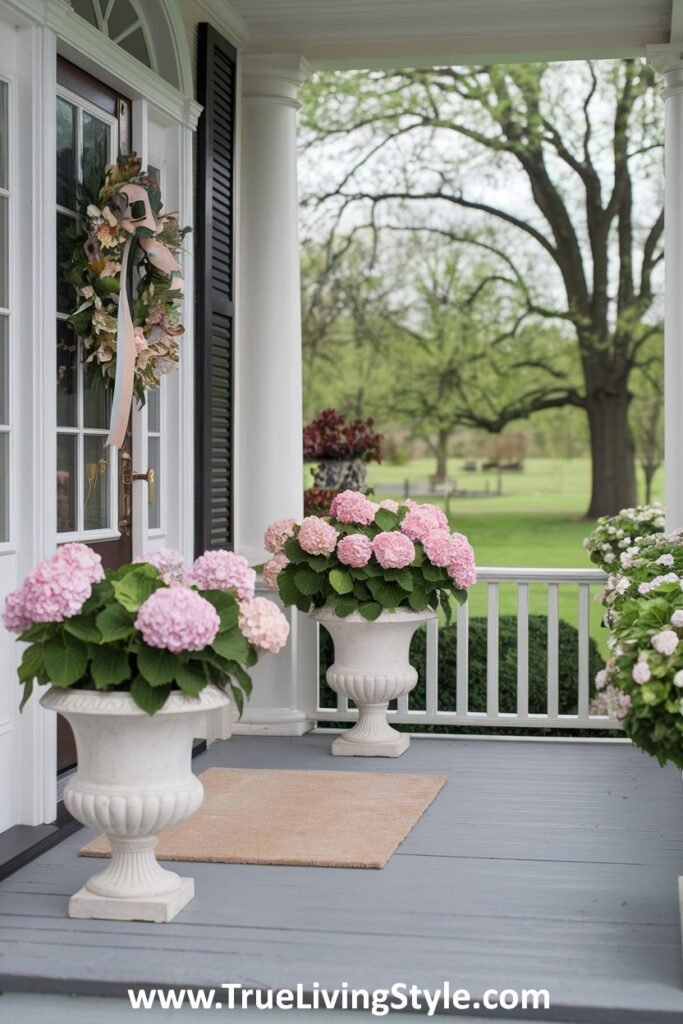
<point x="321" y="819"/>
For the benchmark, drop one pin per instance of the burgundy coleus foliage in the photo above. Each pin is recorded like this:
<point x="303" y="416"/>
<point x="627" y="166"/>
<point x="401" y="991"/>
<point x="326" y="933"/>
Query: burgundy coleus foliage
<point x="330" y="436"/>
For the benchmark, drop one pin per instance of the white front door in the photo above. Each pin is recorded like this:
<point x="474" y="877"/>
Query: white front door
<point x="48" y="423"/>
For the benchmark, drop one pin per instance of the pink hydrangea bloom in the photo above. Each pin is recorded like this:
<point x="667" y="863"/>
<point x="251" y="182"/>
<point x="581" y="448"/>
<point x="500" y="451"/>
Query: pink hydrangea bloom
<point x="393" y="550"/>
<point x="177" y="619"/>
<point x="665" y="642"/>
<point x="223" y="570"/>
<point x="421" y="520"/>
<point x="390" y="504"/>
<point x="272" y="569"/>
<point x="677" y="618"/>
<point x="601" y="679"/>
<point x="82" y="559"/>
<point x="440" y="547"/>
<point x="277" y="533"/>
<point x="355" y="550"/>
<point x="462" y="568"/>
<point x="641" y="672"/>
<point x="353" y="507"/>
<point x="169" y="562"/>
<point x="316" y="536"/>
<point x="612" y="702"/>
<point x="14" y="616"/>
<point x="56" y="589"/>
<point x="263" y="624"/>
<point x="645" y="588"/>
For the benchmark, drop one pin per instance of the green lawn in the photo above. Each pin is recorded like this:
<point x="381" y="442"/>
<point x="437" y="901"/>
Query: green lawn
<point x="536" y="522"/>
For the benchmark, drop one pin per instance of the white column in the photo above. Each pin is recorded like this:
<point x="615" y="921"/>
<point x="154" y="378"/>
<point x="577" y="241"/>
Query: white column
<point x="268" y="386"/>
<point x="668" y="59"/>
<point x="269" y="463"/>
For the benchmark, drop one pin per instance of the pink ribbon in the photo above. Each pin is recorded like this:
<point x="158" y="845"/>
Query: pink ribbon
<point x="161" y="257"/>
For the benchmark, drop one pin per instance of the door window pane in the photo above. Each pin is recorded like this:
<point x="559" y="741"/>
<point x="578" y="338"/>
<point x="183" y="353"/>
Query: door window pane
<point x="4" y="252"/>
<point x="154" y="411"/>
<point x="153" y="461"/>
<point x="4" y="141"/>
<point x="66" y="482"/>
<point x="95" y="150"/>
<point x="67" y="368"/>
<point x="96" y="398"/>
<point x="4" y="371"/>
<point x="66" y="153"/>
<point x="4" y="491"/>
<point x="96" y="491"/>
<point x="66" y="292"/>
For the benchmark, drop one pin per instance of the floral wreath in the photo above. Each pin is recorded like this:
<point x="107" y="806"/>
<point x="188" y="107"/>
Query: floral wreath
<point x="124" y="248"/>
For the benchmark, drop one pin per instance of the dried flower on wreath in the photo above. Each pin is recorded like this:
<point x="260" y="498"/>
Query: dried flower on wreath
<point x="96" y="243"/>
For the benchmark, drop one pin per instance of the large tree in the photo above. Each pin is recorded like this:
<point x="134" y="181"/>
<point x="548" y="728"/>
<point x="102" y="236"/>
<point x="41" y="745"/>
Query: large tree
<point x="430" y="333"/>
<point x="563" y="159"/>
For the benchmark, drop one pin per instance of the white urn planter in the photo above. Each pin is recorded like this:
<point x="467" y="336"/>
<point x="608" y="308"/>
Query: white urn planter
<point x="372" y="667"/>
<point x="134" y="779"/>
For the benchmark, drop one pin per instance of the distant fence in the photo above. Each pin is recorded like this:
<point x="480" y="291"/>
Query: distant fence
<point x="446" y="490"/>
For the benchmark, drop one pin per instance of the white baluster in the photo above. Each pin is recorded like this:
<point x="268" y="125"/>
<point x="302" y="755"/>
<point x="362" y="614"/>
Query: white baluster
<point x="492" y="652"/>
<point x="553" y="649"/>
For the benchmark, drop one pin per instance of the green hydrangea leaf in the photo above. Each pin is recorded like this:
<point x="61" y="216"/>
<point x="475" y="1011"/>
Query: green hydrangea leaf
<point x="341" y="581"/>
<point x="65" y="659"/>
<point x="370" y="611"/>
<point x="158" y="666"/>
<point x="189" y="679"/>
<point x="149" y="698"/>
<point x="84" y="628"/>
<point x="386" y="519"/>
<point x="232" y="646"/>
<point x="136" y="586"/>
<point x="308" y="582"/>
<point x="115" y="623"/>
<point x="109" y="666"/>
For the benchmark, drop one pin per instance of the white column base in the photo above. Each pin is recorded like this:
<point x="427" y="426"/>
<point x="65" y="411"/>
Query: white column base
<point x="159" y="909"/>
<point x="218" y="724"/>
<point x="273" y="722"/>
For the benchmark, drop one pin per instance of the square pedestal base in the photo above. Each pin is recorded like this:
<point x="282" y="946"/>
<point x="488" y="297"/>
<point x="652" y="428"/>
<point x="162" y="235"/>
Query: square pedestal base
<point x="160" y="909"/>
<point x="386" y="748"/>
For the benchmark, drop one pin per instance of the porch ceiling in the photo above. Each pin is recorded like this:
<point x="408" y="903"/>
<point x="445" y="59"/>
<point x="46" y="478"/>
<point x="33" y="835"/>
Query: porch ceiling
<point x="382" y="32"/>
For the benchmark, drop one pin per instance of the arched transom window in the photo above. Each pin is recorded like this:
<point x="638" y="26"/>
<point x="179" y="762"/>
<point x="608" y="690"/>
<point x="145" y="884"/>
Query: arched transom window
<point x="139" y="27"/>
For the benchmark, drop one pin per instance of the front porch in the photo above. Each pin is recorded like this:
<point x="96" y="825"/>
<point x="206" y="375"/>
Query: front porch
<point x="542" y="864"/>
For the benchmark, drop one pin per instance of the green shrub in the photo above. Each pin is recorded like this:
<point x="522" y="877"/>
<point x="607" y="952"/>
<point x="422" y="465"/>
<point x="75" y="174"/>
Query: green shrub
<point x="507" y="666"/>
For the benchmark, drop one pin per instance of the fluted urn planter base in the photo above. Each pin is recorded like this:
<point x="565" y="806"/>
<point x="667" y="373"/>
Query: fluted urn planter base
<point x="157" y="909"/>
<point x="372" y="667"/>
<point x="134" y="780"/>
<point x="385" y="746"/>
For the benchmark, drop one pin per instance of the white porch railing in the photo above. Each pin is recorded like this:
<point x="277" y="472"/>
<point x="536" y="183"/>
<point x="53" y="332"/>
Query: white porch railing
<point x="581" y="580"/>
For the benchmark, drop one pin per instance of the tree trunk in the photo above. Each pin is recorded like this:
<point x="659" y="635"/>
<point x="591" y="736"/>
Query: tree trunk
<point x="612" y="454"/>
<point x="443" y="438"/>
<point x="649" y="469"/>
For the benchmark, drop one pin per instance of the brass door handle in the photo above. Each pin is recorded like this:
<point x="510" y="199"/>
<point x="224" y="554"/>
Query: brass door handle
<point x="151" y="480"/>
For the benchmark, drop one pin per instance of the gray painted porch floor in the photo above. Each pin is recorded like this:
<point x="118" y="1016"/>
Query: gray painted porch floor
<point x="539" y="865"/>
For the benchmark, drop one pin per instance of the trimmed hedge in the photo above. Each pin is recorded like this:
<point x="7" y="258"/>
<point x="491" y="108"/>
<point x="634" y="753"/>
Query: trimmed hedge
<point x="538" y="685"/>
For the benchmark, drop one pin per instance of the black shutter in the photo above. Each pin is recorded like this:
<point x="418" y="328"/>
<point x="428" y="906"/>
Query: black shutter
<point x="214" y="366"/>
